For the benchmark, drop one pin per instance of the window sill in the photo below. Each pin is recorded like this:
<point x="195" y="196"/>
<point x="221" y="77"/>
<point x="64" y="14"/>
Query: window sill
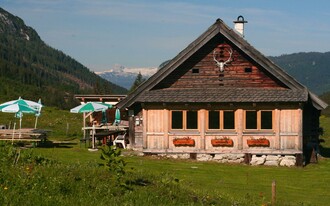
<point x="259" y="132"/>
<point x="221" y="132"/>
<point x="183" y="132"/>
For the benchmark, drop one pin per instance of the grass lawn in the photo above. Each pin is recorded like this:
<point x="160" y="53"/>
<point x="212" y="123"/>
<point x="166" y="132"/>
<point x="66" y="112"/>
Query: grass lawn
<point x="295" y="186"/>
<point x="77" y="178"/>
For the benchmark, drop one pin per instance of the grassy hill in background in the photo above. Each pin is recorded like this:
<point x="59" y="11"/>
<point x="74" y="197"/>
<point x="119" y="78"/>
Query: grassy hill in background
<point x="32" y="69"/>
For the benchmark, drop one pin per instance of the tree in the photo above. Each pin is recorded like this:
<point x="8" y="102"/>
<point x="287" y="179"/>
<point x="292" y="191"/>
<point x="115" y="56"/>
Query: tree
<point x="138" y="81"/>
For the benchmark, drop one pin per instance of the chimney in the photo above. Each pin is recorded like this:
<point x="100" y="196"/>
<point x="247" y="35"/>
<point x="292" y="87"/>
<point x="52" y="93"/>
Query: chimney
<point x="239" y="25"/>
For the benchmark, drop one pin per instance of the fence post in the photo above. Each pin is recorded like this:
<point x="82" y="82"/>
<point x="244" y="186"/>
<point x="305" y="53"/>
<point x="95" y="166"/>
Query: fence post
<point x="67" y="129"/>
<point x="273" y="192"/>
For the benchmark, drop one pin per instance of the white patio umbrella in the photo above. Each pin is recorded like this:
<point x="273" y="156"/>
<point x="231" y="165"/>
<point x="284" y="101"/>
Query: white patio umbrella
<point x="90" y="107"/>
<point x="18" y="109"/>
<point x="35" y="105"/>
<point x="21" y="107"/>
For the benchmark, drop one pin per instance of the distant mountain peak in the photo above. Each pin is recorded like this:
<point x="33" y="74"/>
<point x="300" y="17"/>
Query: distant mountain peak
<point x="124" y="76"/>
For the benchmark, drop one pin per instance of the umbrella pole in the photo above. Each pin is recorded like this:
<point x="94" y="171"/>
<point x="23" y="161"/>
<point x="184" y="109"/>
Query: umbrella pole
<point x="84" y="125"/>
<point x="35" y="125"/>
<point x="12" y="138"/>
<point x="93" y="136"/>
<point x="20" y="126"/>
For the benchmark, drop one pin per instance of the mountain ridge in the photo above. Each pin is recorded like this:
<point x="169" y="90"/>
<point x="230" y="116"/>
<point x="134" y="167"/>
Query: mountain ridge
<point x="32" y="69"/>
<point x="125" y="76"/>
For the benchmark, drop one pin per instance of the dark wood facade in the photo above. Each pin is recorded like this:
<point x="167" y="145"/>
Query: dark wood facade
<point x="200" y="71"/>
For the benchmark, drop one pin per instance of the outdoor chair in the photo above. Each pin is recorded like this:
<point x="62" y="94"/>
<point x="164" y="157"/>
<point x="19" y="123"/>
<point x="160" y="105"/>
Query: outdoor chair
<point x="120" y="139"/>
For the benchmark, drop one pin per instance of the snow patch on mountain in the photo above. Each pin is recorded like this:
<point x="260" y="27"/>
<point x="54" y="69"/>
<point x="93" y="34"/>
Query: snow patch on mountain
<point x="124" y="76"/>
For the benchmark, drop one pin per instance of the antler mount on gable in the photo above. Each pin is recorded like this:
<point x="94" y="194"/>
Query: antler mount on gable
<point x="220" y="63"/>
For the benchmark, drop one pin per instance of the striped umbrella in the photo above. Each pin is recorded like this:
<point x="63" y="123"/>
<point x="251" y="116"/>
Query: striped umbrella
<point x="91" y="107"/>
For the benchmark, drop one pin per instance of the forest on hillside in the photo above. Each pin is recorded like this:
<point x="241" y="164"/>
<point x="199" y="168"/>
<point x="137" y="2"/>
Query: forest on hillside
<point x="32" y="69"/>
<point x="312" y="69"/>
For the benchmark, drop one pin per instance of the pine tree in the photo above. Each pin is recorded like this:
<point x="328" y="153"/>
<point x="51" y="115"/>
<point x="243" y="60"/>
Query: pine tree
<point x="138" y="81"/>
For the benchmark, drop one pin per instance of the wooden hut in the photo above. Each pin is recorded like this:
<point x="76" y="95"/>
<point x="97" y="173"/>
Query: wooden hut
<point x="221" y="99"/>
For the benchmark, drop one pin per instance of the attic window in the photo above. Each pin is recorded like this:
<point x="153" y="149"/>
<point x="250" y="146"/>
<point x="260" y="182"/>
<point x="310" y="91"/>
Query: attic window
<point x="248" y="70"/>
<point x="195" y="70"/>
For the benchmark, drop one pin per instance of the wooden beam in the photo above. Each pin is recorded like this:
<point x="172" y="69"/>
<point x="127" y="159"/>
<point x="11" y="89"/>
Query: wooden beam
<point x="277" y="129"/>
<point x="239" y="121"/>
<point x="145" y="123"/>
<point x="166" y="128"/>
<point x="300" y="130"/>
<point x="202" y="115"/>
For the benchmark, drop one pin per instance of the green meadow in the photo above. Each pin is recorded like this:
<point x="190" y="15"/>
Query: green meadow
<point x="63" y="172"/>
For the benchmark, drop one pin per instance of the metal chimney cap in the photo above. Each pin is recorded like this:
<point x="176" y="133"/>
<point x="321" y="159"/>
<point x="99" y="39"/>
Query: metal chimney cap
<point x="240" y="19"/>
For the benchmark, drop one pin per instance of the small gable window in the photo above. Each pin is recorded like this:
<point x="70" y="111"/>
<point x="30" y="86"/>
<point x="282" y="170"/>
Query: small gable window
<point x="195" y="70"/>
<point x="248" y="70"/>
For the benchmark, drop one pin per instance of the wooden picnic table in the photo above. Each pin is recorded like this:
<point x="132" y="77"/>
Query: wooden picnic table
<point x="105" y="133"/>
<point x="24" y="135"/>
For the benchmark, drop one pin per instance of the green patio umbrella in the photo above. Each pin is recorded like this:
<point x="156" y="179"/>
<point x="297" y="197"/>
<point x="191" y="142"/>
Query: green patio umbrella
<point x="18" y="109"/>
<point x="20" y="106"/>
<point x="90" y="107"/>
<point x="35" y="105"/>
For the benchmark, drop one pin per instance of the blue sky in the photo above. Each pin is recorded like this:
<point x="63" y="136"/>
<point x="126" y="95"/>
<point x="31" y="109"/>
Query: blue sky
<point x="145" y="33"/>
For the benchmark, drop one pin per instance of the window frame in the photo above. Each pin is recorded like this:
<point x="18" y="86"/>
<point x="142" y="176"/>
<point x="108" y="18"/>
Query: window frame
<point x="184" y="120"/>
<point x="259" y="120"/>
<point x="221" y="120"/>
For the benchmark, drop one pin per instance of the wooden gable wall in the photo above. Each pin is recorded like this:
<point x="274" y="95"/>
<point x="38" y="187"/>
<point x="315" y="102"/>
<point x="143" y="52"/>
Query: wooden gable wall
<point x="201" y="70"/>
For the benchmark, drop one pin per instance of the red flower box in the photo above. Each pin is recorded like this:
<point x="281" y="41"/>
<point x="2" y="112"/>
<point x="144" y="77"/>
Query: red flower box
<point x="222" y="142"/>
<point x="258" y="142"/>
<point x="188" y="142"/>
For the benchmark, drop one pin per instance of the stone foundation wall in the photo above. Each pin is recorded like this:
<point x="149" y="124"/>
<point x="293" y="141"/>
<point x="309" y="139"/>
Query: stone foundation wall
<point x="274" y="160"/>
<point x="268" y="160"/>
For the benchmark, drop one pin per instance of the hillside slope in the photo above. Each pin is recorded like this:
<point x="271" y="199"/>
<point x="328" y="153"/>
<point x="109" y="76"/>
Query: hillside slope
<point x="310" y="68"/>
<point x="32" y="69"/>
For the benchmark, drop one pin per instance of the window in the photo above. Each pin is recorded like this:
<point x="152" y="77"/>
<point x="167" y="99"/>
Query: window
<point x="266" y="120"/>
<point x="195" y="70"/>
<point x="248" y="70"/>
<point x="177" y="120"/>
<point x="221" y="120"/>
<point x="228" y="120"/>
<point x="192" y="120"/>
<point x="214" y="120"/>
<point x="258" y="120"/>
<point x="251" y="120"/>
<point x="184" y="120"/>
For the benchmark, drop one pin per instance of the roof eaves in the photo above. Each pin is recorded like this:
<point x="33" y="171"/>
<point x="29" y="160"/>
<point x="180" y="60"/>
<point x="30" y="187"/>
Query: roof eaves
<point x="317" y="102"/>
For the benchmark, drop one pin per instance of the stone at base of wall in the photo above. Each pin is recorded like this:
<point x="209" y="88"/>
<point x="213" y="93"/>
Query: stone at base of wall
<point x="268" y="160"/>
<point x="274" y="160"/>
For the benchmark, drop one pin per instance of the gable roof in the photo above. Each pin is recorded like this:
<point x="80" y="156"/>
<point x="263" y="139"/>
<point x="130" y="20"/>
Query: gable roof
<point x="296" y="92"/>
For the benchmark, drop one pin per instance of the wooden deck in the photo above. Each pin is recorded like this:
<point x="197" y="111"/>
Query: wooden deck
<point x="106" y="133"/>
